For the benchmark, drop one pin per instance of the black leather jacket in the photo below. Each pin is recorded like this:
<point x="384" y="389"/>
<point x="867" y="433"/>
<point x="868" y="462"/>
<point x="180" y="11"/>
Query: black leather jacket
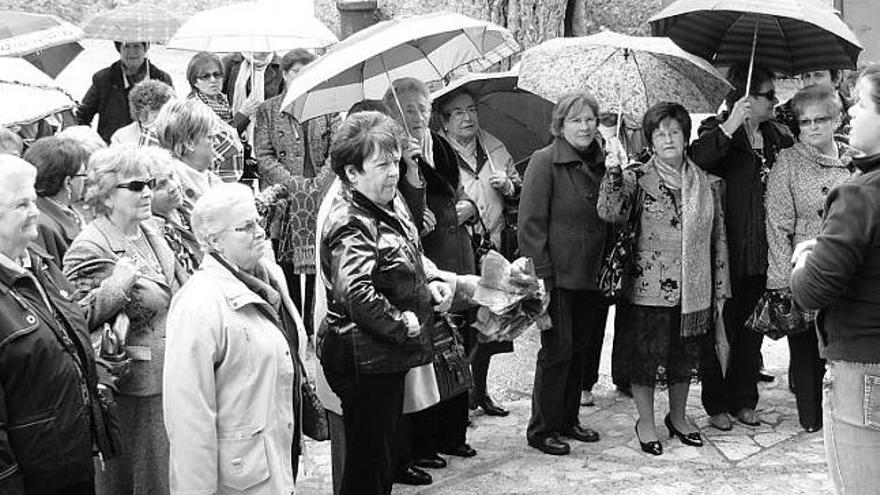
<point x="373" y="261"/>
<point x="50" y="412"/>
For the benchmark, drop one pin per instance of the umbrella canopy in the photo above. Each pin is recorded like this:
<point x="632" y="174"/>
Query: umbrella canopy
<point x="622" y="72"/>
<point x="26" y="94"/>
<point x="426" y="47"/>
<point x="252" y="27"/>
<point x="520" y="119"/>
<point x="142" y="21"/>
<point x="46" y="41"/>
<point x="793" y="36"/>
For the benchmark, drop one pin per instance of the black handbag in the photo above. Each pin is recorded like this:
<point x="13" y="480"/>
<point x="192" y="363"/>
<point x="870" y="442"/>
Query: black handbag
<point x="776" y="315"/>
<point x="481" y="242"/>
<point x="451" y="366"/>
<point x="315" y="424"/>
<point x="616" y="269"/>
<point x="509" y="243"/>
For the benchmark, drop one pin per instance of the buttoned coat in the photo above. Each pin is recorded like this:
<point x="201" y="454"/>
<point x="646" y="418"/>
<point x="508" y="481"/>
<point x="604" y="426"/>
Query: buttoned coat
<point x="56" y="228"/>
<point x="230" y="383"/>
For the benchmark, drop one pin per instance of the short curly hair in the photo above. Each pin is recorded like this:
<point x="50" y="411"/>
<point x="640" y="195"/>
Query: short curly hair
<point x="568" y="103"/>
<point x="198" y="63"/>
<point x="107" y="168"/>
<point x="359" y="136"/>
<point x="148" y="96"/>
<point x="56" y="160"/>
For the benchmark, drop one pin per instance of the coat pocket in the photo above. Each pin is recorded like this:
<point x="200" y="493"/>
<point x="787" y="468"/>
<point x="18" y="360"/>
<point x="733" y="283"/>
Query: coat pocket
<point x="37" y="444"/>
<point x="244" y="462"/>
<point x="872" y="401"/>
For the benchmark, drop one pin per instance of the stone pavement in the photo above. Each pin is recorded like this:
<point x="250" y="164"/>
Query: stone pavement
<point x="774" y="458"/>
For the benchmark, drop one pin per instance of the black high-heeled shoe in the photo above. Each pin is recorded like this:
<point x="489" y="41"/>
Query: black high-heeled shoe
<point x="653" y="448"/>
<point x="693" y="439"/>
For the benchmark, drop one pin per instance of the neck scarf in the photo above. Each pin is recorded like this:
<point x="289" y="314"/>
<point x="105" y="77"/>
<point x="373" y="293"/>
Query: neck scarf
<point x="428" y="147"/>
<point x="257" y="90"/>
<point x="218" y="103"/>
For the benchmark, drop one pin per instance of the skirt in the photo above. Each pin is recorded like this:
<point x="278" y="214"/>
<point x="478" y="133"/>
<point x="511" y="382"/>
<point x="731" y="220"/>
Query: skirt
<point x="654" y="351"/>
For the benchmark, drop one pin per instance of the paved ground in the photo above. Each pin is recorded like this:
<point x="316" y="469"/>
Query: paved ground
<point x="774" y="458"/>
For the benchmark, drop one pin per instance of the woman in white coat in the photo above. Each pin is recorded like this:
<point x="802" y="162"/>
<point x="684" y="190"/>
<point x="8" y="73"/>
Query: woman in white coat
<point x="232" y="375"/>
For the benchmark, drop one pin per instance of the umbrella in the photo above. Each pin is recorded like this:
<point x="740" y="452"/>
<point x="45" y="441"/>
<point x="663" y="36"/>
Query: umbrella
<point x="787" y="36"/>
<point x="520" y="119"/>
<point x="722" y="346"/>
<point x="624" y="73"/>
<point x="27" y="95"/>
<point x="133" y="23"/>
<point x="252" y="27"/>
<point x="426" y="47"/>
<point x="45" y="41"/>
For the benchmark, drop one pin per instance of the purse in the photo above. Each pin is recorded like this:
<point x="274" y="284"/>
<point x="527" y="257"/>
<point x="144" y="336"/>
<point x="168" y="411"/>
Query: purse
<point x="451" y="366"/>
<point x="314" y="418"/>
<point x="481" y="242"/>
<point x="776" y="315"/>
<point x="616" y="266"/>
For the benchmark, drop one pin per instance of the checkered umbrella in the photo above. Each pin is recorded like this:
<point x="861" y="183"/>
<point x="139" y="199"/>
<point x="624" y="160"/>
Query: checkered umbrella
<point x="138" y="22"/>
<point x="787" y="36"/>
<point x="27" y="95"/>
<point x="45" y="41"/>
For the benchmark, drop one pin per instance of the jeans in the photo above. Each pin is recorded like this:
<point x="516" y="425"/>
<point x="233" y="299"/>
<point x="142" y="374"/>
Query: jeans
<point x="852" y="426"/>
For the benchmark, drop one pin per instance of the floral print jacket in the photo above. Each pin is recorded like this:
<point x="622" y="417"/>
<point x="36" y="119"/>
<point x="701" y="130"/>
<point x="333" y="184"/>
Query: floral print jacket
<point x="657" y="253"/>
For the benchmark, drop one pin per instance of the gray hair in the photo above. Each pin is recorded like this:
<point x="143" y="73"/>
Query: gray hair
<point x="13" y="166"/>
<point x="404" y="85"/>
<point x="87" y="137"/>
<point x="10" y="142"/>
<point x="210" y="215"/>
<point x="158" y="161"/>
<point x="181" y="123"/>
<point x="106" y="169"/>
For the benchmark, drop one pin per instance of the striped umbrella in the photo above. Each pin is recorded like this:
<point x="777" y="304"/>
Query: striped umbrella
<point x="45" y="41"/>
<point x="138" y="22"/>
<point x="27" y="95"/>
<point x="788" y="36"/>
<point x="426" y="47"/>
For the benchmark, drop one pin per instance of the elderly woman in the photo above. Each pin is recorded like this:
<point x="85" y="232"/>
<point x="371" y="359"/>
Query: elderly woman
<point x="559" y="228"/>
<point x="433" y="190"/>
<point x="205" y="76"/>
<point x="741" y="148"/>
<point x="796" y="193"/>
<point x="380" y="291"/>
<point x="837" y="273"/>
<point x="488" y="178"/>
<point x="61" y="167"/>
<point x="169" y="215"/>
<point x="294" y="154"/>
<point x="233" y="376"/>
<point x="680" y="272"/>
<point x="53" y="415"/>
<point x="120" y="192"/>
<point x="184" y="128"/>
<point x="144" y="102"/>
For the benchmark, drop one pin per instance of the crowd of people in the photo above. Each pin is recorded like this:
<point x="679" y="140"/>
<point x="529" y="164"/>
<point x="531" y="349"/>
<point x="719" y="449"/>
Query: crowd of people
<point x="155" y="325"/>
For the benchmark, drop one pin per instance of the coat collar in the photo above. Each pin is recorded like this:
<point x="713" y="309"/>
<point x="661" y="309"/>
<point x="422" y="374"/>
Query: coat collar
<point x="400" y="220"/>
<point x="564" y="154"/>
<point x="119" y="245"/>
<point x="65" y="220"/>
<point x="237" y="294"/>
<point x="10" y="274"/>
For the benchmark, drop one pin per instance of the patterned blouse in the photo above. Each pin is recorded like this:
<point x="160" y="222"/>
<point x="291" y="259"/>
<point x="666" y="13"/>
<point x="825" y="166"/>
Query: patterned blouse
<point x="795" y="202"/>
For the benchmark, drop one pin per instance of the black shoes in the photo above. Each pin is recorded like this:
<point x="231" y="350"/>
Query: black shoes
<point x="626" y="390"/>
<point x="413" y="476"/>
<point x="490" y="407"/>
<point x="462" y="450"/>
<point x="582" y="434"/>
<point x="551" y="445"/>
<point x="433" y="462"/>
<point x="765" y="377"/>
<point x="693" y="439"/>
<point x="653" y="448"/>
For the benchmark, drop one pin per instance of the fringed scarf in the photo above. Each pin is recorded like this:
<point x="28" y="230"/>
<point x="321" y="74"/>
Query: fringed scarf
<point x="218" y="103"/>
<point x="697" y="216"/>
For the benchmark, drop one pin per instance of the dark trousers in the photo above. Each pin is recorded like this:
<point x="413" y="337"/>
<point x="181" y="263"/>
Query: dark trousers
<point x="594" y="354"/>
<point x="337" y="449"/>
<point x="806" y="371"/>
<point x="578" y="318"/>
<point x="739" y="388"/>
<point x="83" y="488"/>
<point x="619" y="371"/>
<point x="440" y="427"/>
<point x="371" y="409"/>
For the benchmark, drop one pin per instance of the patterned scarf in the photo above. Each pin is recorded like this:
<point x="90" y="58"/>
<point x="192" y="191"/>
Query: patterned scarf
<point x="218" y="103"/>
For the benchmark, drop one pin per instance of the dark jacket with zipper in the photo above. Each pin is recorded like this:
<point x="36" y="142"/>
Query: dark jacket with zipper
<point x="559" y="227"/>
<point x="50" y="412"/>
<point x="373" y="261"/>
<point x="841" y="276"/>
<point x="108" y="97"/>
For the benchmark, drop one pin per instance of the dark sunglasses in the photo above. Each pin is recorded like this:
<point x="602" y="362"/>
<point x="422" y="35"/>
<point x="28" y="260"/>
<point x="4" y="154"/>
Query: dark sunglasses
<point x="210" y="75"/>
<point x="769" y="95"/>
<point x="818" y="121"/>
<point x="137" y="185"/>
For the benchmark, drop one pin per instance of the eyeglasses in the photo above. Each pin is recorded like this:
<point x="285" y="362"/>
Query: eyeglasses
<point x="250" y="227"/>
<point x="137" y="185"/>
<point x="460" y="113"/>
<point x="769" y="95"/>
<point x="210" y="75"/>
<point x="818" y="121"/>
